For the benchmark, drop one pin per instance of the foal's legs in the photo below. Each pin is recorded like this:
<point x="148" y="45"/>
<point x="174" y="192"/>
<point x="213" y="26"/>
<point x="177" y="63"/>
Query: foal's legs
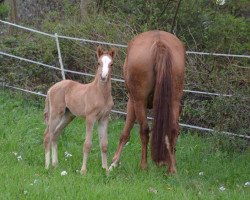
<point x="55" y="125"/>
<point x="47" y="147"/>
<point x="141" y="116"/>
<point x="88" y="142"/>
<point x="54" y="120"/>
<point x="130" y="120"/>
<point x="103" y="138"/>
<point x="65" y="120"/>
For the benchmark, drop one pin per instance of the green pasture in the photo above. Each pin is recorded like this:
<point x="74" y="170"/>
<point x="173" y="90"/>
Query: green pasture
<point x="209" y="167"/>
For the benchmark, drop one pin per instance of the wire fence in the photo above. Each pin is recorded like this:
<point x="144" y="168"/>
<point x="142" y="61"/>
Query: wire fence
<point x="56" y="37"/>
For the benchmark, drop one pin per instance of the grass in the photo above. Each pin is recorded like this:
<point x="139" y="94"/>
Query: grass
<point x="21" y="132"/>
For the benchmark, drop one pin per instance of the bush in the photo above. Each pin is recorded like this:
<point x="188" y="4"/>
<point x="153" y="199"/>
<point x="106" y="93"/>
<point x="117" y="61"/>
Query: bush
<point x="4" y="10"/>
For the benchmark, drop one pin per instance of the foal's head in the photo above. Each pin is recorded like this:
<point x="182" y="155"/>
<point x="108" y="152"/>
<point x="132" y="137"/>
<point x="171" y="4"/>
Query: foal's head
<point x="105" y="63"/>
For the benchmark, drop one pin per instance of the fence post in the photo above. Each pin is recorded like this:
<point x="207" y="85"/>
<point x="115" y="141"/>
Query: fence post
<point x="59" y="56"/>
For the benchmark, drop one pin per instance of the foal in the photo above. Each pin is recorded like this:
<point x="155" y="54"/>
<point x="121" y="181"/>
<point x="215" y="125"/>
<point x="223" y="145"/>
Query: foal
<point x="69" y="99"/>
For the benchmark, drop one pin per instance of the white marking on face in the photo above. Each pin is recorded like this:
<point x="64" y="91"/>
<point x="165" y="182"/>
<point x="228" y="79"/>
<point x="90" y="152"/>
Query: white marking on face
<point x="105" y="65"/>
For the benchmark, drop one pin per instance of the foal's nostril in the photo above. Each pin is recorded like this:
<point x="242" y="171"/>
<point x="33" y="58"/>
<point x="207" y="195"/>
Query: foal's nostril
<point x="102" y="78"/>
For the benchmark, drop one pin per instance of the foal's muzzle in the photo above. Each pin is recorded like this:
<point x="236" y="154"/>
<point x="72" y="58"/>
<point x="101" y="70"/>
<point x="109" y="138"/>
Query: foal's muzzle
<point x="103" y="78"/>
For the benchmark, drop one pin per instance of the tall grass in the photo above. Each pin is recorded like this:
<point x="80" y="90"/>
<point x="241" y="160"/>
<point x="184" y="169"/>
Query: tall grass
<point x="205" y="169"/>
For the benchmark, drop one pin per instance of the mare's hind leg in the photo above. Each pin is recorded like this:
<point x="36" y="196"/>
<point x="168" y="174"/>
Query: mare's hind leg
<point x="172" y="140"/>
<point x="103" y="138"/>
<point x="141" y="116"/>
<point x="130" y="120"/>
<point x="61" y="124"/>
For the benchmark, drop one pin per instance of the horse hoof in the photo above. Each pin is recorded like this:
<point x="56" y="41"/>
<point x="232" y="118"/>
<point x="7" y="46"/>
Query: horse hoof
<point x="83" y="171"/>
<point x="144" y="166"/>
<point x="55" y="164"/>
<point x="172" y="170"/>
<point x="105" y="169"/>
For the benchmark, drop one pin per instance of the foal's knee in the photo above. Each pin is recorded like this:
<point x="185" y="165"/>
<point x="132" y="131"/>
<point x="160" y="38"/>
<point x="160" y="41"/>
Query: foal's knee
<point x="104" y="147"/>
<point x="46" y="139"/>
<point x="87" y="146"/>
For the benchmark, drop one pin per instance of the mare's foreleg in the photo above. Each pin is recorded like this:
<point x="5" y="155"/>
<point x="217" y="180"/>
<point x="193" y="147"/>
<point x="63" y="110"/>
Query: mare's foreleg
<point x="88" y="142"/>
<point x="130" y="120"/>
<point x="103" y="137"/>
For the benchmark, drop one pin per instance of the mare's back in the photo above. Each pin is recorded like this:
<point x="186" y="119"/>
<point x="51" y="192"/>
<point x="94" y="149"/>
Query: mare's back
<point x="139" y="53"/>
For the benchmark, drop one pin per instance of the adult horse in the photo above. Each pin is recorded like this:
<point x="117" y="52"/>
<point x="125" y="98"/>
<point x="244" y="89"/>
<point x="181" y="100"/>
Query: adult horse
<point x="154" y="77"/>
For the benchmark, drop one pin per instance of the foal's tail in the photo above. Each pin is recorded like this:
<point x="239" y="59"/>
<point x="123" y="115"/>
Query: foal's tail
<point x="46" y="109"/>
<point x="162" y="103"/>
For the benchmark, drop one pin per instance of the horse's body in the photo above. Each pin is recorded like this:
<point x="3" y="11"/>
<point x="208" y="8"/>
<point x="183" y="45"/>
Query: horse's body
<point x="154" y="77"/>
<point x="69" y="99"/>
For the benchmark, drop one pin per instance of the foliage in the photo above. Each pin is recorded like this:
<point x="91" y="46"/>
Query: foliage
<point x="4" y="10"/>
<point x="208" y="167"/>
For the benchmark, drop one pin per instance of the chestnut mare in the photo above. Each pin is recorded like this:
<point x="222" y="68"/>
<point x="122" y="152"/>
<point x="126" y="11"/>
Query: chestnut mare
<point x="154" y="77"/>
<point x="69" y="99"/>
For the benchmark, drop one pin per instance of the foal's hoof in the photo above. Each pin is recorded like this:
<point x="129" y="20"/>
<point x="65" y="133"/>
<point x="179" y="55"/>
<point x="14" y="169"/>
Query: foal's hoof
<point x="54" y="164"/>
<point x="105" y="170"/>
<point x="83" y="171"/>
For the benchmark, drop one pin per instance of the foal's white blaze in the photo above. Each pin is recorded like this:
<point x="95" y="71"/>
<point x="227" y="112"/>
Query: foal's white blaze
<point x="105" y="65"/>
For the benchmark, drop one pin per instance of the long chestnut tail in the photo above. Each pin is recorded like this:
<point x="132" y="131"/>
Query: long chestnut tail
<point x="162" y="103"/>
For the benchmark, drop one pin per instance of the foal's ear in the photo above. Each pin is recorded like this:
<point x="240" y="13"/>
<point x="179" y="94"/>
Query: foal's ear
<point x="112" y="53"/>
<point x="99" y="51"/>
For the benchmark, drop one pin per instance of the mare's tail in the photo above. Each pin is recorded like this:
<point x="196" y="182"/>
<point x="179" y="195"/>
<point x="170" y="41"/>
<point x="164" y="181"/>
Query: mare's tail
<point x="162" y="103"/>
